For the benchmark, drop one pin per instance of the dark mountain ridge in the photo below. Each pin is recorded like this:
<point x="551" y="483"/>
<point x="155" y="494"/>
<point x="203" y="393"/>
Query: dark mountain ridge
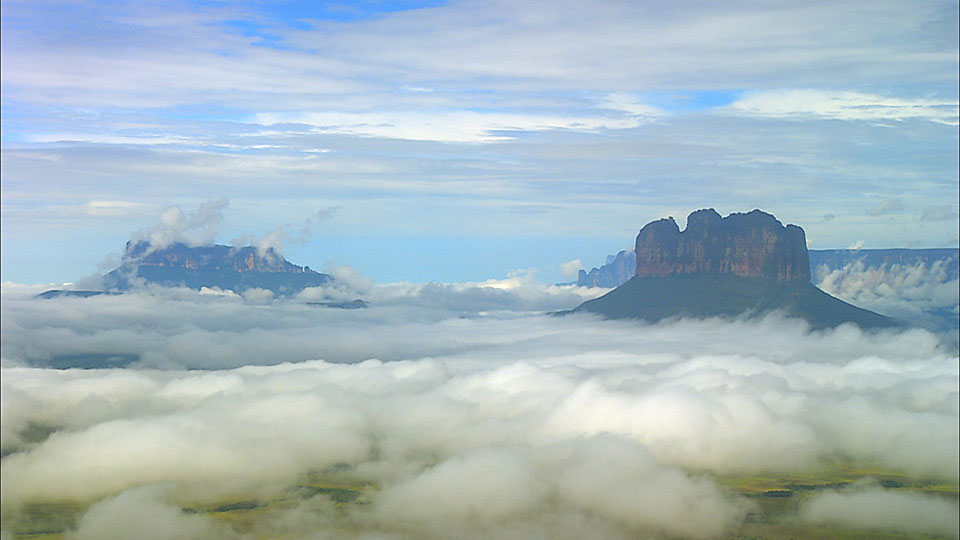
<point x="218" y="266"/>
<point x="227" y="267"/>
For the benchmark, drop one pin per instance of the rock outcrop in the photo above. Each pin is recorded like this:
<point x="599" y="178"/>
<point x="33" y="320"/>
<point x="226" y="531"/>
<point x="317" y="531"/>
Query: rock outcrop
<point x="743" y="265"/>
<point x="754" y="244"/>
<point x="224" y="267"/>
<point x="618" y="269"/>
<point x="215" y="257"/>
<point x="623" y="266"/>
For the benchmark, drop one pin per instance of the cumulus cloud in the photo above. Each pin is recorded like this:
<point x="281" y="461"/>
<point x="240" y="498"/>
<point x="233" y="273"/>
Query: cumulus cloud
<point x="879" y="509"/>
<point x="279" y="237"/>
<point x="460" y="419"/>
<point x="142" y="513"/>
<point x="193" y="228"/>
<point x="569" y="269"/>
<point x="924" y="293"/>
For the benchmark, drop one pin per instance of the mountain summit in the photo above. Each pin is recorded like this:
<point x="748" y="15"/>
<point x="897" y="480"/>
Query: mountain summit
<point x="226" y="267"/>
<point x="741" y="265"/>
<point x="754" y="244"/>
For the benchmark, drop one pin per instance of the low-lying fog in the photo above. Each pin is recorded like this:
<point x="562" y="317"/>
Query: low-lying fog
<point x="472" y="413"/>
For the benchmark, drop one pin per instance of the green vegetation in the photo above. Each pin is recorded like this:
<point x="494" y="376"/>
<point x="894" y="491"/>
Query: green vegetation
<point x="775" y="500"/>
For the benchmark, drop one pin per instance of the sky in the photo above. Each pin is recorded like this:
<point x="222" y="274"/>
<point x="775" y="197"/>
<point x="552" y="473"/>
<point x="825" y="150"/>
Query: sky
<point x="467" y="140"/>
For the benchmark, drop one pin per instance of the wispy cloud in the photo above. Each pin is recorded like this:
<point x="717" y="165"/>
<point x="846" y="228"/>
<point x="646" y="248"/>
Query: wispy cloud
<point x="891" y="206"/>
<point x="801" y="104"/>
<point x="446" y="126"/>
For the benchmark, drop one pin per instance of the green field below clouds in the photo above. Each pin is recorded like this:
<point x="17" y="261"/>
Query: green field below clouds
<point x="775" y="500"/>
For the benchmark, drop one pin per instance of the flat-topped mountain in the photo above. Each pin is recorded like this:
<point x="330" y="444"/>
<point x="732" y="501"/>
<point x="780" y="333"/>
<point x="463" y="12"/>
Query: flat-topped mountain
<point x="621" y="267"/>
<point x="741" y="265"/>
<point x="754" y="244"/>
<point x="226" y="267"/>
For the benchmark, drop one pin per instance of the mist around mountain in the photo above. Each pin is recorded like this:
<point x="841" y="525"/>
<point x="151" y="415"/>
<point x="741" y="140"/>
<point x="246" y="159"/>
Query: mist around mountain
<point x="619" y="268"/>
<point x="230" y="268"/>
<point x="916" y="286"/>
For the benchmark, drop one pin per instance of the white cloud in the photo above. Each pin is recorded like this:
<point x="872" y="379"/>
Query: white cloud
<point x="113" y="208"/>
<point x="570" y="268"/>
<point x="142" y="513"/>
<point x="923" y="293"/>
<point x="195" y="228"/>
<point x="845" y="105"/>
<point x="444" y="126"/>
<point x="537" y="423"/>
<point x="878" y="509"/>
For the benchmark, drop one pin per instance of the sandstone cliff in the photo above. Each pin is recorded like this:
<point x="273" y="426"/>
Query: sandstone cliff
<point x="216" y="257"/>
<point x="754" y="244"/>
<point x="224" y="267"/>
<point x="618" y="269"/>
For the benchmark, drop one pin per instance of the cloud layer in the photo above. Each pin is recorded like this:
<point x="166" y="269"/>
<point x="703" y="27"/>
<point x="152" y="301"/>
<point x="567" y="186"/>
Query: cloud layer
<point x="501" y="424"/>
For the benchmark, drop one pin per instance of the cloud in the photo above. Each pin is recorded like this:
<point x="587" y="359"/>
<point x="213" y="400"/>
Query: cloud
<point x="543" y="426"/>
<point x="197" y="228"/>
<point x="890" y="206"/>
<point x="847" y="105"/>
<point x="445" y="126"/>
<point x="629" y="486"/>
<point x="923" y="293"/>
<point x="142" y="513"/>
<point x="113" y="208"/>
<point x="878" y="509"/>
<point x="856" y="245"/>
<point x="279" y="237"/>
<point x="569" y="269"/>
<point x="491" y="484"/>
<point x="944" y="212"/>
<point x="517" y="47"/>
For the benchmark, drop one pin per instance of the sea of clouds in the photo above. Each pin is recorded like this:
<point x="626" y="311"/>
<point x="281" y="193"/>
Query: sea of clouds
<point x="469" y="410"/>
<point x="923" y="294"/>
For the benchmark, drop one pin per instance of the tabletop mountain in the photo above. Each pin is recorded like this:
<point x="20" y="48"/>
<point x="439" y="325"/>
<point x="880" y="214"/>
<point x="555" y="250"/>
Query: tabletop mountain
<point x="621" y="267"/>
<point x="743" y="264"/>
<point x="195" y="267"/>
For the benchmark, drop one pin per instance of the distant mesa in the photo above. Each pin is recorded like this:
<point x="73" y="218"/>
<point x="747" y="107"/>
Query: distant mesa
<point x="618" y="269"/>
<point x="740" y="265"/>
<point x="225" y="267"/>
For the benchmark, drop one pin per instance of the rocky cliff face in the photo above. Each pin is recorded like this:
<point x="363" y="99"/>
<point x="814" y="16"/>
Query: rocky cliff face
<point x="225" y="267"/>
<point x="615" y="272"/>
<point x="216" y="257"/>
<point x="621" y="267"/>
<point x="754" y="244"/>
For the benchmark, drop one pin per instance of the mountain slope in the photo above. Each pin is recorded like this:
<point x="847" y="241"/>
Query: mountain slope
<point x="701" y="296"/>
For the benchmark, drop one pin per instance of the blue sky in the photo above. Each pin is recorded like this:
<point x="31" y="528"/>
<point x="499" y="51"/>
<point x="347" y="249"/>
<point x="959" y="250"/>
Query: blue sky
<point x="459" y="141"/>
